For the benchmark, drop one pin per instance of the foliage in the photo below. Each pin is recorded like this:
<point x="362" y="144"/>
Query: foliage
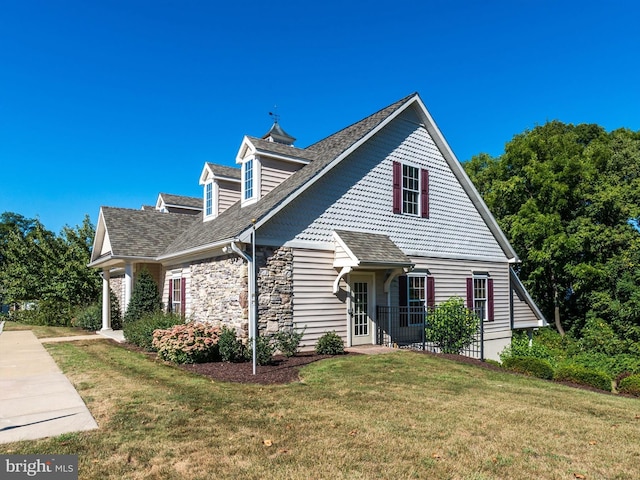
<point x="599" y="337"/>
<point x="330" y="344"/>
<point x="229" y="345"/>
<point x="568" y="198"/>
<point x="536" y="367"/>
<point x="520" y="348"/>
<point x="192" y="342"/>
<point x="573" y="372"/>
<point x="38" y="265"/>
<point x="89" y="317"/>
<point x="145" y="297"/>
<point x="140" y="332"/>
<point x="265" y="348"/>
<point x="44" y="312"/>
<point x="613" y="365"/>
<point x="288" y="341"/>
<point x="630" y="385"/>
<point x="451" y="326"/>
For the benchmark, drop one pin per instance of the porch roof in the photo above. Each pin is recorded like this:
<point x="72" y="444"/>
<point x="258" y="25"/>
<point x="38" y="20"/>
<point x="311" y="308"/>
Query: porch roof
<point x="360" y="249"/>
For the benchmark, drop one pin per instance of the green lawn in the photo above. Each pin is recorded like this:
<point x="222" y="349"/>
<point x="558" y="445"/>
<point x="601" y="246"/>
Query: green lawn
<point x="45" y="331"/>
<point x="399" y="415"/>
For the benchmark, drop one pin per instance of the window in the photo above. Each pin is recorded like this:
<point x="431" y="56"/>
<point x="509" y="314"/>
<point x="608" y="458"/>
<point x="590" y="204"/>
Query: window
<point x="177" y="295"/>
<point x="416" y="292"/>
<point x="208" y="199"/>
<point x="248" y="179"/>
<point x="410" y="190"/>
<point x="480" y="296"/>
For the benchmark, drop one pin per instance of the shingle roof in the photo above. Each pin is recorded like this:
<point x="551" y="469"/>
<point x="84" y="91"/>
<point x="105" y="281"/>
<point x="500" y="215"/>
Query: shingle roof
<point x="143" y="233"/>
<point x="223" y="171"/>
<point x="236" y="219"/>
<point x="373" y="249"/>
<point x="182" y="201"/>
<point x="282" y="149"/>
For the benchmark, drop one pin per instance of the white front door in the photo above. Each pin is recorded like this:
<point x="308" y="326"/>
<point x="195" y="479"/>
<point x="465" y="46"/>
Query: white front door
<point x="361" y="309"/>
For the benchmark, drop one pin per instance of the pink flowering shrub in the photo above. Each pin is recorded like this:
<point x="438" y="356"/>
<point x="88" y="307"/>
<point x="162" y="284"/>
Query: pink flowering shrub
<point x="187" y="343"/>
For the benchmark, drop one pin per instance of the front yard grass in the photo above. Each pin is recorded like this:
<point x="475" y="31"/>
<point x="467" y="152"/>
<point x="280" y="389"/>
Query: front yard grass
<point x="399" y="415"/>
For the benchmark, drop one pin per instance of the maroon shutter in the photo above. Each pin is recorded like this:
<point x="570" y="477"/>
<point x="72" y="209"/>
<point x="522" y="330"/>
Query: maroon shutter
<point x="170" y="306"/>
<point x="397" y="187"/>
<point x="490" y="308"/>
<point x="431" y="292"/>
<point x="183" y="297"/>
<point x="470" y="293"/>
<point x="424" y="193"/>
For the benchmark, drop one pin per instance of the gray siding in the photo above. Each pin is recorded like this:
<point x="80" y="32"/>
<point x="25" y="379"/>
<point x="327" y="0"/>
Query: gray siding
<point x="357" y="195"/>
<point x="314" y="304"/>
<point x="523" y="316"/>
<point x="273" y="173"/>
<point x="228" y="194"/>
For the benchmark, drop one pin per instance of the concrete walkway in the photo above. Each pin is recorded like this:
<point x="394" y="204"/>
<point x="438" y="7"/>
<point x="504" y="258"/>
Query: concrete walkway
<point x="36" y="399"/>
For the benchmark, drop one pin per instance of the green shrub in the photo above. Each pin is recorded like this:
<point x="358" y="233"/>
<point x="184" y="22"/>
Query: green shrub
<point x="451" y="326"/>
<point x="50" y="312"/>
<point x="89" y="318"/>
<point x="140" y="332"/>
<point x="520" y="348"/>
<point x="535" y="367"/>
<point x="330" y="344"/>
<point x="598" y="337"/>
<point x="614" y="365"/>
<point x="630" y="385"/>
<point x="572" y="372"/>
<point x="193" y="342"/>
<point x="265" y="348"/>
<point x="116" y="314"/>
<point x="229" y="345"/>
<point x="288" y="341"/>
<point x="145" y="297"/>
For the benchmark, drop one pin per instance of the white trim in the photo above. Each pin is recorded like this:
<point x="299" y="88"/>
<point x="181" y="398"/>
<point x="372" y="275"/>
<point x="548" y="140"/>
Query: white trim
<point x="336" y="282"/>
<point x="195" y="250"/>
<point x="373" y="322"/>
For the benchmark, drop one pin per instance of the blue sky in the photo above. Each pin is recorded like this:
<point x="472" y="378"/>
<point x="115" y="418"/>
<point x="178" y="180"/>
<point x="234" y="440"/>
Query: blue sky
<point x="110" y="103"/>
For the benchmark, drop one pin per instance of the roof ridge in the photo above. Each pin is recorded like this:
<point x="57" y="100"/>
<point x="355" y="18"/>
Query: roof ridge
<point x="393" y="106"/>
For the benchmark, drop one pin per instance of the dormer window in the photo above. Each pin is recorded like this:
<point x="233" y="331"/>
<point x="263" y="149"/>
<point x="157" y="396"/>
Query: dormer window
<point x="208" y="199"/>
<point x="250" y="181"/>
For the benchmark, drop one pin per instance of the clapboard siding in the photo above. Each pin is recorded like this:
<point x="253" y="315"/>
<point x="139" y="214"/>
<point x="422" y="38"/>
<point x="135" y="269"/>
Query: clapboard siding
<point x="315" y="306"/>
<point x="228" y="194"/>
<point x="523" y="316"/>
<point x="274" y="172"/>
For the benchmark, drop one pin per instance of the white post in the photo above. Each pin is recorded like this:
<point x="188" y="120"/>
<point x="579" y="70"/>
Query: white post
<point x="106" y="301"/>
<point x="128" y="283"/>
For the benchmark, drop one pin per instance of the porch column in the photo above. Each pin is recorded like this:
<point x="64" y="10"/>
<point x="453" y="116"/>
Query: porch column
<point x="128" y="283"/>
<point x="106" y="300"/>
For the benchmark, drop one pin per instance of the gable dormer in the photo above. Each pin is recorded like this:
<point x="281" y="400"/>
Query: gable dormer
<point x="169" y="203"/>
<point x="221" y="189"/>
<point x="268" y="161"/>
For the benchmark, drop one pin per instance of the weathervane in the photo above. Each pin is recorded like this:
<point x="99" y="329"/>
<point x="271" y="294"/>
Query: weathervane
<point x="275" y="116"/>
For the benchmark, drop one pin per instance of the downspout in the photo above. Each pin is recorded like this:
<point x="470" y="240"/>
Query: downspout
<point x="251" y="295"/>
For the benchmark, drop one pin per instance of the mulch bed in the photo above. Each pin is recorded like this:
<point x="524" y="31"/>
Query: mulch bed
<point x="282" y="370"/>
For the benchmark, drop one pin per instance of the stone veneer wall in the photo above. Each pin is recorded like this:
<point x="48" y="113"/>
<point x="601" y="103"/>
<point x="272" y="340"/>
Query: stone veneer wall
<point x="275" y="289"/>
<point x="219" y="292"/>
<point x="117" y="287"/>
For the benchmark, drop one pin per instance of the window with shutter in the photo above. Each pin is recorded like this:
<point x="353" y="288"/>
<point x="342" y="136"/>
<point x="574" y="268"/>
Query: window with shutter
<point x="410" y="190"/>
<point x="480" y="296"/>
<point x="416" y="292"/>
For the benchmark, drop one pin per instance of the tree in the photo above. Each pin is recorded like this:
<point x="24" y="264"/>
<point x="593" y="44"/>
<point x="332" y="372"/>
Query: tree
<point x="145" y="297"/>
<point x="566" y="197"/>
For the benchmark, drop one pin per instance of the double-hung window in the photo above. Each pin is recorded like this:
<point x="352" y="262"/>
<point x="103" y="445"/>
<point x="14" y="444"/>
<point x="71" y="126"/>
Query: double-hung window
<point x="480" y="296"/>
<point x="177" y="295"/>
<point x="416" y="292"/>
<point x="410" y="190"/>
